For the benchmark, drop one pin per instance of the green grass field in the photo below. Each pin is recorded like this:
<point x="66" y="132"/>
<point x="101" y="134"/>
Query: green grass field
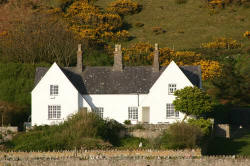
<point x="236" y="146"/>
<point x="186" y="25"/>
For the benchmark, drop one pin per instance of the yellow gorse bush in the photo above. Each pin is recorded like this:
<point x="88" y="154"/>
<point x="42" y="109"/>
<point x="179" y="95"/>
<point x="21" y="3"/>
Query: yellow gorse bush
<point x="210" y="69"/>
<point x="123" y="7"/>
<point x="222" y="43"/>
<point x="3" y="33"/>
<point x="137" y="53"/>
<point x="180" y="57"/>
<point x="143" y="52"/>
<point x="247" y="34"/>
<point x="90" y="23"/>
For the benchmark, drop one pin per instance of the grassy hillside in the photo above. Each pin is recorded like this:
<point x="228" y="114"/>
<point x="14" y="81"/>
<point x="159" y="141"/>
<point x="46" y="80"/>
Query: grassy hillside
<point x="185" y="25"/>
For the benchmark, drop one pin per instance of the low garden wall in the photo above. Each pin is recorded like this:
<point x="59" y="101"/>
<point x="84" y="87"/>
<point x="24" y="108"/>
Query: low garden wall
<point x="100" y="154"/>
<point x="118" y="158"/>
<point x="7" y="133"/>
<point x="146" y="131"/>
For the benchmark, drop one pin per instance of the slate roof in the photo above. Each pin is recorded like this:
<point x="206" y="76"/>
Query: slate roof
<point x="102" y="80"/>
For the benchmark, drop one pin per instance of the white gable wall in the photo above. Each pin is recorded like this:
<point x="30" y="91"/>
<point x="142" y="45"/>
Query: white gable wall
<point x="158" y="96"/>
<point x="67" y="97"/>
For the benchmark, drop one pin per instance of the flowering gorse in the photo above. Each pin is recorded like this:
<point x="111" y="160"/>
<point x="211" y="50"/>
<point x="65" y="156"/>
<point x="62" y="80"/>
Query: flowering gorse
<point x="222" y="43"/>
<point x="210" y="69"/>
<point x="247" y="34"/>
<point x="123" y="7"/>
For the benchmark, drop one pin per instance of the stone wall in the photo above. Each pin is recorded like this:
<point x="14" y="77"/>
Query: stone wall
<point x="147" y="131"/>
<point x="49" y="159"/>
<point x="7" y="133"/>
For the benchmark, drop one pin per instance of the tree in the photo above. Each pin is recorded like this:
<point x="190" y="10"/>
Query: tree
<point x="233" y="87"/>
<point x="193" y="101"/>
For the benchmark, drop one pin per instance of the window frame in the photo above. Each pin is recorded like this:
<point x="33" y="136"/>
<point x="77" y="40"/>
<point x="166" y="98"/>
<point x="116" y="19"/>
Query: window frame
<point x="132" y="113"/>
<point x="99" y="111"/>
<point x="171" y="112"/>
<point x="54" y="112"/>
<point x="54" y="90"/>
<point x="172" y="87"/>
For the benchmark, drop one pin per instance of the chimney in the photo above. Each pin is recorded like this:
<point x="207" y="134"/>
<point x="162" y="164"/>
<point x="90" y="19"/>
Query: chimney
<point x="156" y="66"/>
<point x="117" y="58"/>
<point x="79" y="59"/>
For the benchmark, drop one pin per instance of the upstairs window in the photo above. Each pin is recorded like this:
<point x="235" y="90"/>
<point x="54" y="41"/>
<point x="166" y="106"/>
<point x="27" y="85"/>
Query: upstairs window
<point x="170" y="111"/>
<point x="54" y="112"/>
<point x="132" y="113"/>
<point x="171" y="89"/>
<point x="99" y="111"/>
<point x="53" y="90"/>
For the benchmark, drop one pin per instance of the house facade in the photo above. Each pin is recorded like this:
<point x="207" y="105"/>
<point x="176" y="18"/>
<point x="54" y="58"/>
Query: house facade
<point x="141" y="94"/>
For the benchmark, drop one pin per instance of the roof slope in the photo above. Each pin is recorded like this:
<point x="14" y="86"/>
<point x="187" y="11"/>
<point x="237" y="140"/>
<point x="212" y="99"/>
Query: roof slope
<point x="103" y="80"/>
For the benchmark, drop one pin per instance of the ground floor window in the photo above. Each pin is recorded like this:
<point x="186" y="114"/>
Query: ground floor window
<point x="133" y="113"/>
<point x="99" y="111"/>
<point x="170" y="111"/>
<point x="54" y="111"/>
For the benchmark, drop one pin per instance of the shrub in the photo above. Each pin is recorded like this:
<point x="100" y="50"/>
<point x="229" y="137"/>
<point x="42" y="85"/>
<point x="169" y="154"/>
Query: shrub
<point x="127" y="122"/>
<point x="210" y="69"/>
<point x="92" y="25"/>
<point x="158" y="30"/>
<point x="82" y="130"/>
<point x="139" y="24"/>
<point x="204" y="124"/>
<point x="133" y="143"/>
<point x="222" y="43"/>
<point x="180" y="136"/>
<point x="137" y="53"/>
<point x="247" y="34"/>
<point x="17" y="81"/>
<point x="124" y="7"/>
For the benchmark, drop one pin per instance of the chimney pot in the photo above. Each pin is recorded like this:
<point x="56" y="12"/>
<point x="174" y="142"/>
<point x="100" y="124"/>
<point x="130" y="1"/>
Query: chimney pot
<point x="156" y="46"/>
<point x="79" y="47"/>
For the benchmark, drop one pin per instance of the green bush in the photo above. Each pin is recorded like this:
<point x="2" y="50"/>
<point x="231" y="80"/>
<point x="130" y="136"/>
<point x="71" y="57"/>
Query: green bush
<point x="204" y="124"/>
<point x="127" y="122"/>
<point x="82" y="130"/>
<point x="133" y="143"/>
<point x="17" y="81"/>
<point x="180" y="136"/>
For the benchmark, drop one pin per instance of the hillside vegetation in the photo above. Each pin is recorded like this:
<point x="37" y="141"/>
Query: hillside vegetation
<point x="187" y="25"/>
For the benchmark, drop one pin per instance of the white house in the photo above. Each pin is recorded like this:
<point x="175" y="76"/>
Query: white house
<point x="142" y="94"/>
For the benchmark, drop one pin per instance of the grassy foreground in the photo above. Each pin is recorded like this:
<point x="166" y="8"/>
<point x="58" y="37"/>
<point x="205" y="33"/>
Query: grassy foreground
<point x="240" y="145"/>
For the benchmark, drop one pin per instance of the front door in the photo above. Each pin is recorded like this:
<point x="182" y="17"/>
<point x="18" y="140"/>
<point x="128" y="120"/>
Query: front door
<point x="145" y="114"/>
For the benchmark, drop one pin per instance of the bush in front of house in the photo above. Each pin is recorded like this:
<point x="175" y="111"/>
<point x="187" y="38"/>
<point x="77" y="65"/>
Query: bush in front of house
<point x="204" y="124"/>
<point x="83" y="130"/>
<point x="180" y="135"/>
<point x="134" y="142"/>
<point x="127" y="122"/>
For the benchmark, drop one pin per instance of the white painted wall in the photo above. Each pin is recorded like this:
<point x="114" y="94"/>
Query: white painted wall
<point x="115" y="105"/>
<point x="67" y="98"/>
<point x="158" y="96"/>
